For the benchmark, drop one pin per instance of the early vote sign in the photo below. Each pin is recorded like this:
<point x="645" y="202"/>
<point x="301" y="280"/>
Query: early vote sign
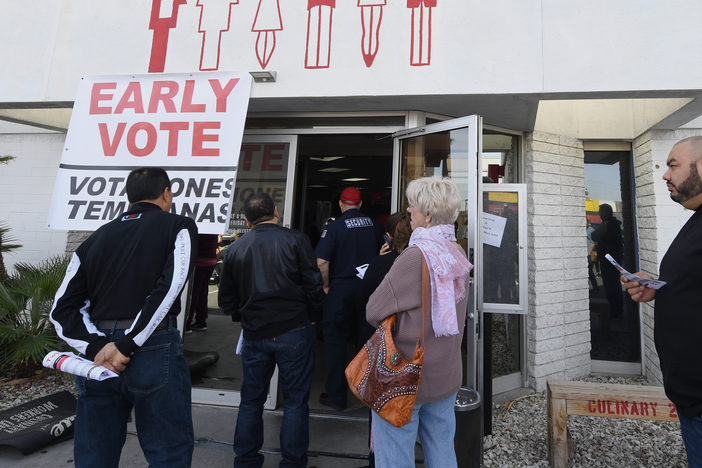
<point x="189" y="124"/>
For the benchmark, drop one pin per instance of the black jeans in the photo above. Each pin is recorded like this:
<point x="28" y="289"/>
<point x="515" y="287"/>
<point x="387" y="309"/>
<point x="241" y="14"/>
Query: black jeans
<point x="340" y="319"/>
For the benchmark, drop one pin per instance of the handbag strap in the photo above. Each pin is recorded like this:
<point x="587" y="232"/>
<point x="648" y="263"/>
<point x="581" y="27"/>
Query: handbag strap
<point x="425" y="295"/>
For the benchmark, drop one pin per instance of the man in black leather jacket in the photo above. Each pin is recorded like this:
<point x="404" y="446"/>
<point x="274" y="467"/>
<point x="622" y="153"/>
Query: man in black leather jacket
<point x="271" y="283"/>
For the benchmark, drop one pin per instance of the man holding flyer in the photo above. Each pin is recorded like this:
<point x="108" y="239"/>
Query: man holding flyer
<point x="678" y="310"/>
<point x="117" y="306"/>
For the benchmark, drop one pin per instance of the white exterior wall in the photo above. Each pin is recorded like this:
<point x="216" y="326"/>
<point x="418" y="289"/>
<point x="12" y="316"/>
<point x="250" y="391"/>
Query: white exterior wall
<point x="559" y="317"/>
<point x="622" y="45"/>
<point x="658" y="220"/>
<point x="26" y="188"/>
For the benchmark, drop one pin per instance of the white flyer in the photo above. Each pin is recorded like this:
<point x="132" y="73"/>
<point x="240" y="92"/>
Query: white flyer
<point x="649" y="283"/>
<point x="240" y="343"/>
<point x="361" y="270"/>
<point x="76" y="365"/>
<point x="493" y="229"/>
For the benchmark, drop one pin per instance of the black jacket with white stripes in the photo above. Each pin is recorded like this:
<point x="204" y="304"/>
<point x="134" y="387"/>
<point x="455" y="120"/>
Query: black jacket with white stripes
<point x="134" y="267"/>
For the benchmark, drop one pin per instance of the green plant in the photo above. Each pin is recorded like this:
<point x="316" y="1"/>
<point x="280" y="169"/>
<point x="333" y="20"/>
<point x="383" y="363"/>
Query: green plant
<point x="26" y="298"/>
<point x="6" y="247"/>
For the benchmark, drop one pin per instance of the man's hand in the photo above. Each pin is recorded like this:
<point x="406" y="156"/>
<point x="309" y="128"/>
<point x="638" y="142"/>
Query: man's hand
<point x="637" y="292"/>
<point x="110" y="358"/>
<point x="323" y="266"/>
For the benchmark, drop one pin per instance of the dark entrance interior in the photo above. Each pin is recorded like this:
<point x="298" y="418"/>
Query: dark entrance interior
<point x="326" y="164"/>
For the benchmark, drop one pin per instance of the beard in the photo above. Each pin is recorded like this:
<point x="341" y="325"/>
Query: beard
<point x="688" y="188"/>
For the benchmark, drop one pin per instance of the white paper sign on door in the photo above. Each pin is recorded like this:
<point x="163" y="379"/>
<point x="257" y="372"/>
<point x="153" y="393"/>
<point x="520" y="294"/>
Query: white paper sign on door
<point x="493" y="229"/>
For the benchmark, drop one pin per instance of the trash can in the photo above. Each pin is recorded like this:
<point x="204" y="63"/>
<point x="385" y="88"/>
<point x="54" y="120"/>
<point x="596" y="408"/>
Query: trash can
<point x="469" y="423"/>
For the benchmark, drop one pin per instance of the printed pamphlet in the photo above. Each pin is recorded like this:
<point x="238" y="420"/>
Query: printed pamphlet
<point x="649" y="283"/>
<point x="240" y="343"/>
<point x="76" y="365"/>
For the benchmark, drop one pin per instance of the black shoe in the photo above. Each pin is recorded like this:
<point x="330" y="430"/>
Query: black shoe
<point x="326" y="401"/>
<point x="200" y="326"/>
<point x="188" y="328"/>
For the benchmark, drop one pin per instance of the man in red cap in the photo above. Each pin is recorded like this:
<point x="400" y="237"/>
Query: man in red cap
<point x="344" y="251"/>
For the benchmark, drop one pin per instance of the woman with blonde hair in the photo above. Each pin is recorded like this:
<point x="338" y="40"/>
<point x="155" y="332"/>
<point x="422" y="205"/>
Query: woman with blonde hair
<point x="434" y="204"/>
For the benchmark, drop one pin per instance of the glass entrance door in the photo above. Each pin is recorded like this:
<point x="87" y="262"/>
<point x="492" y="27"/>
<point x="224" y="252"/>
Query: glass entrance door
<point x="452" y="149"/>
<point x="504" y="282"/>
<point x="266" y="164"/>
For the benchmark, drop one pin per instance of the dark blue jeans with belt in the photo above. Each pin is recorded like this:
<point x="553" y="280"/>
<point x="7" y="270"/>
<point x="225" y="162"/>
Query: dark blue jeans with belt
<point x="156" y="383"/>
<point x="294" y="353"/>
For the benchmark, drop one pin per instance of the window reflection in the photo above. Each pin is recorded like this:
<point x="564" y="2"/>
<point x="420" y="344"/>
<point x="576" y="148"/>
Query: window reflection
<point x="614" y="317"/>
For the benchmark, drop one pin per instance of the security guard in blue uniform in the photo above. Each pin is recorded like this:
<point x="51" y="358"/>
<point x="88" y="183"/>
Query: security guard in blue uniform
<point x="346" y="247"/>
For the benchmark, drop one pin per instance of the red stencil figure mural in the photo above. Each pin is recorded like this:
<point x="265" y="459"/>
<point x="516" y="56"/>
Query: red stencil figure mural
<point x="371" y="16"/>
<point x="420" y="49"/>
<point x="215" y="17"/>
<point x="266" y="23"/>
<point x="164" y="15"/>
<point x="319" y="23"/>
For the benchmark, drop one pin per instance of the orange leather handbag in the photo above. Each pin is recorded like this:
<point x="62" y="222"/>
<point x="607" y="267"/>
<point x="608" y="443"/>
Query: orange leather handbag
<point x="382" y="377"/>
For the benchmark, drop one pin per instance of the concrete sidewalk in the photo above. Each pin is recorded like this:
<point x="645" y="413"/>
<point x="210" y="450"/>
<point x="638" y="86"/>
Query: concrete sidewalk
<point x="334" y="442"/>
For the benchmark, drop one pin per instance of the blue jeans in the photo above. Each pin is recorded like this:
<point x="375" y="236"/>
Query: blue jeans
<point x="294" y="353"/>
<point x="156" y="383"/>
<point x="339" y="319"/>
<point x="691" y="429"/>
<point x="394" y="446"/>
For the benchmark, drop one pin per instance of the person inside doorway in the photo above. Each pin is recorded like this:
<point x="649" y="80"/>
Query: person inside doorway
<point x="344" y="251"/>
<point x="204" y="266"/>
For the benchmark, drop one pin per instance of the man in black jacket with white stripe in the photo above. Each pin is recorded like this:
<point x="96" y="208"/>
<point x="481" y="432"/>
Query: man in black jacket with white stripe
<point x="117" y="306"/>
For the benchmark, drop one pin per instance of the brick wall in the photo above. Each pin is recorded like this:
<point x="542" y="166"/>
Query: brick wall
<point x="658" y="220"/>
<point x="26" y="188"/>
<point x="559" y="319"/>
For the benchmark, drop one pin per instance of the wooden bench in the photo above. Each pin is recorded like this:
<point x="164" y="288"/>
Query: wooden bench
<point x="602" y="400"/>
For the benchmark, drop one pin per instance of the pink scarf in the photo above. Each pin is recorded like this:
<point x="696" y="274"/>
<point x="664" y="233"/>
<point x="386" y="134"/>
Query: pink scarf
<point x="448" y="268"/>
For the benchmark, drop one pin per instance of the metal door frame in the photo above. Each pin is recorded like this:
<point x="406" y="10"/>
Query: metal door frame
<point x="474" y="124"/>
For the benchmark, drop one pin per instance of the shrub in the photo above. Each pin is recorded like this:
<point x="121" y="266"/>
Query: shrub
<point x="5" y="247"/>
<point x="26" y="298"/>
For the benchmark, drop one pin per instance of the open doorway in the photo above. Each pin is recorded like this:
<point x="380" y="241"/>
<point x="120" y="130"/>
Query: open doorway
<point x="326" y="164"/>
<point x="305" y="175"/>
